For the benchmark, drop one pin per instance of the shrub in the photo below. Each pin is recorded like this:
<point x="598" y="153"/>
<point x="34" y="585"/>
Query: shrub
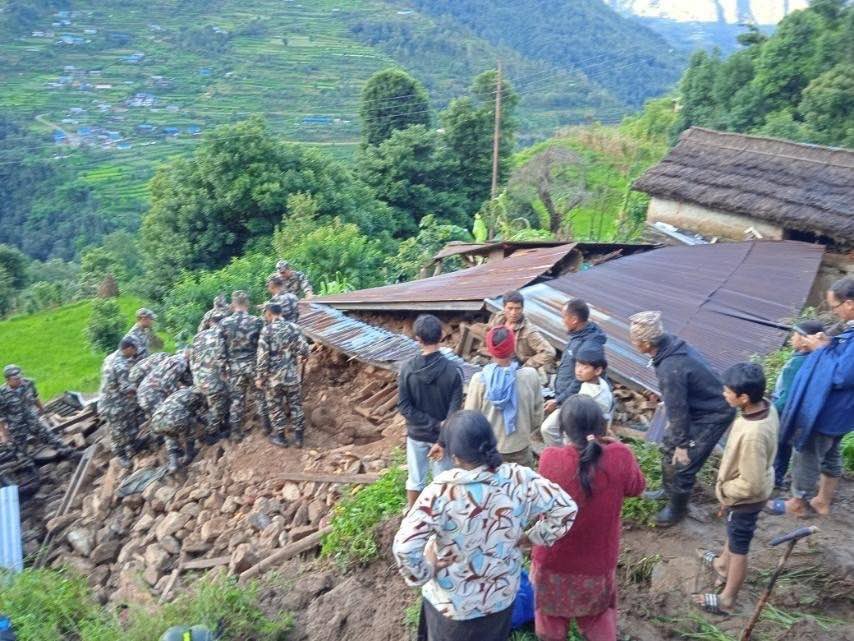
<point x="640" y="511"/>
<point x="848" y="452"/>
<point x="354" y="519"/>
<point x="106" y="325"/>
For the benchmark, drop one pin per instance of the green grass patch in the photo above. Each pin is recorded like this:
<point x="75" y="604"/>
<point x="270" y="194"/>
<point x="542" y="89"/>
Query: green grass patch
<point x="51" y="346"/>
<point x="639" y="511"/>
<point x="352" y="539"/>
<point x="57" y="605"/>
<point x="848" y="452"/>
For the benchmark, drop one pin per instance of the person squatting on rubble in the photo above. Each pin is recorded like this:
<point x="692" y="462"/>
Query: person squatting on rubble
<point x="430" y="388"/>
<point x="745" y="481"/>
<point x="509" y="396"/>
<point x="166" y="377"/>
<point x="239" y="333"/>
<point x="590" y="366"/>
<point x="697" y="413"/>
<point x="175" y="419"/>
<point x="461" y="541"/>
<point x="576" y="579"/>
<point x="802" y="347"/>
<point x="582" y="333"/>
<point x="281" y="345"/>
<point x="21" y="410"/>
<point x="820" y="411"/>
<point x="117" y="401"/>
<point x="293" y="282"/>
<point x="207" y="367"/>
<point x="141" y="332"/>
<point x="532" y="350"/>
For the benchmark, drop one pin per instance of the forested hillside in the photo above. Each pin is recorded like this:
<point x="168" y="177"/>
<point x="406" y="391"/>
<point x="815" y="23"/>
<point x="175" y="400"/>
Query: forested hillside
<point x="98" y="93"/>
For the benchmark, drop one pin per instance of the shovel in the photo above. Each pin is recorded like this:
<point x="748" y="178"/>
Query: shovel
<point x="792" y="538"/>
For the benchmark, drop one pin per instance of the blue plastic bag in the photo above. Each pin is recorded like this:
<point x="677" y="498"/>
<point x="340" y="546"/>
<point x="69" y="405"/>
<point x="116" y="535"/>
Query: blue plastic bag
<point x="523" y="606"/>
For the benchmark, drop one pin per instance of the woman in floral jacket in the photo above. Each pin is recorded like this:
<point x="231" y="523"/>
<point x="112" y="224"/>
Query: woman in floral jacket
<point x="461" y="539"/>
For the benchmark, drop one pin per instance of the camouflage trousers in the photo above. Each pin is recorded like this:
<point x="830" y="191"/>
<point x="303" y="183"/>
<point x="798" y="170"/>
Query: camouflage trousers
<point x="284" y="401"/>
<point x="34" y="430"/>
<point x="216" y="396"/>
<point x="175" y="435"/>
<point x="124" y="428"/>
<point x="241" y="390"/>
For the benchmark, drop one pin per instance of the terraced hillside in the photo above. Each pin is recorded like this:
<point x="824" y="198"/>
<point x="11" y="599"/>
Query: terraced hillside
<point x="113" y="88"/>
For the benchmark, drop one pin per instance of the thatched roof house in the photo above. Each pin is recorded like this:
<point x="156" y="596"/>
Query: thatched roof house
<point x="732" y="185"/>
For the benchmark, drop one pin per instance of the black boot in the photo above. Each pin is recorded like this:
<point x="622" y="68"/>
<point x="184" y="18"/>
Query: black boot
<point x="279" y="440"/>
<point x="298" y="439"/>
<point x="191" y="452"/>
<point x="675" y="510"/>
<point x="174" y="463"/>
<point x="125" y="459"/>
<point x="655" y="495"/>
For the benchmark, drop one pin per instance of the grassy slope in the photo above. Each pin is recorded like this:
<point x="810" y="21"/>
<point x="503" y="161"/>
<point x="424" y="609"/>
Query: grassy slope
<point x="51" y="348"/>
<point x="297" y="60"/>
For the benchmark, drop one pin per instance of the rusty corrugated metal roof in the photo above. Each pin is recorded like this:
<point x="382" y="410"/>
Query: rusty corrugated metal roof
<point x="456" y="247"/>
<point x="465" y="289"/>
<point x="727" y="300"/>
<point x="364" y="342"/>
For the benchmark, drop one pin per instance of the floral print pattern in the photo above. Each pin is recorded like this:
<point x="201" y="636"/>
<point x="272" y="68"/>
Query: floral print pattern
<point x="474" y="519"/>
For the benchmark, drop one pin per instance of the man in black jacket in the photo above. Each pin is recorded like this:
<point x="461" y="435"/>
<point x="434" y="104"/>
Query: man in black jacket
<point x="582" y="331"/>
<point x="430" y="388"/>
<point x="697" y="413"/>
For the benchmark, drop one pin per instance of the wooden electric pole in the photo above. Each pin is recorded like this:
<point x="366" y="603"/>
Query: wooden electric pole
<point x="497" y="135"/>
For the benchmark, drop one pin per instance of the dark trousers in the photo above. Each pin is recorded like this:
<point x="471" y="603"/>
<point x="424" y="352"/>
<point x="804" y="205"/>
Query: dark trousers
<point x="781" y="463"/>
<point x="680" y="479"/>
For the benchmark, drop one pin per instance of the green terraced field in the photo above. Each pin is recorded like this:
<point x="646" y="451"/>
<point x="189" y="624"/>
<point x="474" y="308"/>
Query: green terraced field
<point x="288" y="60"/>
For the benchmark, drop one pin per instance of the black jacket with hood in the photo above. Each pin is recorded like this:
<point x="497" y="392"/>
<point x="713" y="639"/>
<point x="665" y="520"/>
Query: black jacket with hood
<point x="565" y="382"/>
<point x="430" y="388"/>
<point x="691" y="390"/>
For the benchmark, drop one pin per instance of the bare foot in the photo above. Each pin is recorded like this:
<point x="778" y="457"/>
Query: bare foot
<point x="720" y="568"/>
<point x="797" y="507"/>
<point x="821" y="508"/>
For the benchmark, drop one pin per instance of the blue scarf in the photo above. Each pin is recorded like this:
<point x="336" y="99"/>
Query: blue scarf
<point x="501" y="392"/>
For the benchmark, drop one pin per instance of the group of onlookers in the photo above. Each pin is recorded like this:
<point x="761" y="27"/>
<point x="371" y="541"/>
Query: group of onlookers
<point x="463" y="535"/>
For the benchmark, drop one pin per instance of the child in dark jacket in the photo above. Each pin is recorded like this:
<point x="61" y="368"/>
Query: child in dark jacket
<point x="802" y="348"/>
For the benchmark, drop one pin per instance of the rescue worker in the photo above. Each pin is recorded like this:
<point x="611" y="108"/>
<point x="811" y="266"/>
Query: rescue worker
<point x="141" y="332"/>
<point x="117" y="402"/>
<point x="280" y="347"/>
<point x="219" y="311"/>
<point x="239" y="334"/>
<point x="207" y="358"/>
<point x="20" y="410"/>
<point x="163" y="380"/>
<point x="293" y="282"/>
<point x="175" y="420"/>
<point x="278" y="295"/>
<point x="144" y="367"/>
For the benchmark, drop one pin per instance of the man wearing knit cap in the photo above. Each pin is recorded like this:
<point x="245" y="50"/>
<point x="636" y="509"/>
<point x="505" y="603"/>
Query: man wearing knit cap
<point x="509" y="396"/>
<point x="697" y="413"/>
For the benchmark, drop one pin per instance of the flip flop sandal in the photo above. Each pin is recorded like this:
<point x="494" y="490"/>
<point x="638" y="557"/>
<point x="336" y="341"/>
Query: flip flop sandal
<point x="707" y="559"/>
<point x="710" y="604"/>
<point x="777" y="507"/>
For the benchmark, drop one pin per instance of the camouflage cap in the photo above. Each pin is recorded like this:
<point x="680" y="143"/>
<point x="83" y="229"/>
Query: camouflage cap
<point x="276" y="280"/>
<point x="220" y="301"/>
<point x="282" y="265"/>
<point x="239" y="297"/>
<point x="11" y="370"/>
<point x="144" y="312"/>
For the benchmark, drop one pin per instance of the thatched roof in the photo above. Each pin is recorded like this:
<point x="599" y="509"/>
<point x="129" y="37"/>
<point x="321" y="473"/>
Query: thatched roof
<point x="804" y="187"/>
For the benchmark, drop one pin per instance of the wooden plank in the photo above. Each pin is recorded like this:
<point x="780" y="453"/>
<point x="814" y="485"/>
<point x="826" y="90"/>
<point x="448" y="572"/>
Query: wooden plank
<point x="287" y="552"/>
<point x="173" y="578"/>
<point x="204" y="564"/>
<point x="349" y="479"/>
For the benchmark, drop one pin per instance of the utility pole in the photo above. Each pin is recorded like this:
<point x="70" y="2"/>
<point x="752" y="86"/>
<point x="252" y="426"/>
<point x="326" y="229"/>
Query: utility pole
<point x="497" y="135"/>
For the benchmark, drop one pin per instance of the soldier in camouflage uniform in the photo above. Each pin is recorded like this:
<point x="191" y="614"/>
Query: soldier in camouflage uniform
<point x="175" y="420"/>
<point x="207" y="358"/>
<point x="278" y="295"/>
<point x="163" y="380"/>
<point x="144" y="367"/>
<point x="239" y="334"/>
<point x="280" y="347"/>
<point x="20" y="407"/>
<point x="117" y="403"/>
<point x="141" y="331"/>
<point x="213" y="316"/>
<point x="293" y="282"/>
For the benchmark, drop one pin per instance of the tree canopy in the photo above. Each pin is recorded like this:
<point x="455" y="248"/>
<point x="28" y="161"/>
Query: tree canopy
<point x="392" y="100"/>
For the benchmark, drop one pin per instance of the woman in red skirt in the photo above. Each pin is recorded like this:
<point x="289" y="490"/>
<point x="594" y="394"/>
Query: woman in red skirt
<point x="576" y="577"/>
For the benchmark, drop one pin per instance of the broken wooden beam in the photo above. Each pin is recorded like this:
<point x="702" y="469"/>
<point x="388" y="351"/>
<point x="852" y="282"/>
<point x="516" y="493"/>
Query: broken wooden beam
<point x="205" y="564"/>
<point x="289" y="551"/>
